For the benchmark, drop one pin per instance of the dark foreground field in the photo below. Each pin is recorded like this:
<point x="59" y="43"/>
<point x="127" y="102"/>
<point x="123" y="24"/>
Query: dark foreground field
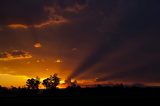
<point x="80" y="96"/>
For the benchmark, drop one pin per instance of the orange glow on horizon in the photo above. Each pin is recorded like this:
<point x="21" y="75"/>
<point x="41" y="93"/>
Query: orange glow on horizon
<point x="8" y="80"/>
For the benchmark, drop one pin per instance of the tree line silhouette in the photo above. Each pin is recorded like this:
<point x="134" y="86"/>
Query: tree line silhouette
<point x="74" y="92"/>
<point x="49" y="83"/>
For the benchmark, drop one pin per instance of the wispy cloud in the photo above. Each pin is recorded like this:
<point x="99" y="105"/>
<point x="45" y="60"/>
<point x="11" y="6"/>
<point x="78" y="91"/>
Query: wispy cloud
<point x="56" y="20"/>
<point x="18" y="26"/>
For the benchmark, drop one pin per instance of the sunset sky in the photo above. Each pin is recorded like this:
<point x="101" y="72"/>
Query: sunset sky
<point x="87" y="40"/>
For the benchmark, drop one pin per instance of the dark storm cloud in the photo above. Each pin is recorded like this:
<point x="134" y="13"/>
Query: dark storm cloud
<point x="22" y="12"/>
<point x="105" y="17"/>
<point x="38" y="13"/>
<point x="65" y="6"/>
<point x="135" y="64"/>
<point x="144" y="16"/>
<point x="29" y="16"/>
<point x="146" y="73"/>
<point x="137" y="17"/>
<point x="105" y="48"/>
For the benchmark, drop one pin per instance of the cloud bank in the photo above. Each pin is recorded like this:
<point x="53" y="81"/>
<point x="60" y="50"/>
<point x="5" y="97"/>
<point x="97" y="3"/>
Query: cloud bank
<point x="14" y="55"/>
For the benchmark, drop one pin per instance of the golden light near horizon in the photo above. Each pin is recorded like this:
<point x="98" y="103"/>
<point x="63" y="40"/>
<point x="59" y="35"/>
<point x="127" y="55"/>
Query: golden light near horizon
<point x="9" y="80"/>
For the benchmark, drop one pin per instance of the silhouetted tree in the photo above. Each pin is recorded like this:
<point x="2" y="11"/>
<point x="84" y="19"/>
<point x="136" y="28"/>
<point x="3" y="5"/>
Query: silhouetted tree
<point x="52" y="82"/>
<point x="33" y="83"/>
<point x="13" y="88"/>
<point x="74" y="84"/>
<point x="3" y="88"/>
<point x="46" y="83"/>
